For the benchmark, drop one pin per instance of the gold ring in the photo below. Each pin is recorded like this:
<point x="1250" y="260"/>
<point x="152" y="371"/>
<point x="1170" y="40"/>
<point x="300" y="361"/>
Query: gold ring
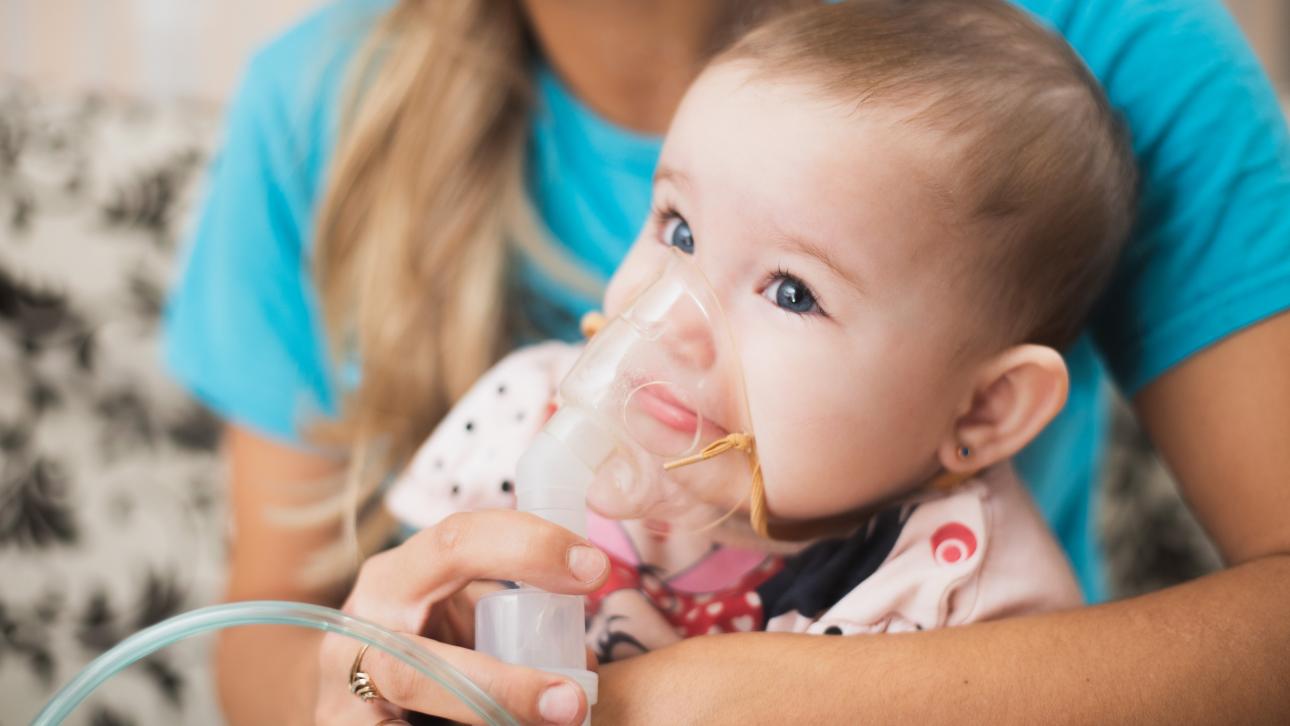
<point x="361" y="684"/>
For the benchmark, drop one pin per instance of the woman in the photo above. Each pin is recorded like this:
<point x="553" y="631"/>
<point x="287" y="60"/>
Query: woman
<point x="384" y="233"/>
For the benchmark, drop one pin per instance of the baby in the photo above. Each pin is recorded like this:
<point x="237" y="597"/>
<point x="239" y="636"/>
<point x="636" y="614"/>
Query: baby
<point x="905" y="209"/>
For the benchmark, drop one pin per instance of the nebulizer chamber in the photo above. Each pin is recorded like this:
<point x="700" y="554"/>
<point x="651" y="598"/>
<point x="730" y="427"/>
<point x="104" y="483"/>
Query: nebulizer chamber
<point x="643" y="394"/>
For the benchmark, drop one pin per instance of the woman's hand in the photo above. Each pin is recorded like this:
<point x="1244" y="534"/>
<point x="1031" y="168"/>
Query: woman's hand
<point x="426" y="588"/>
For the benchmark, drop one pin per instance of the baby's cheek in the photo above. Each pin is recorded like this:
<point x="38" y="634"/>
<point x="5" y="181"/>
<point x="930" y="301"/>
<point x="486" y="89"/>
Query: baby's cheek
<point x="809" y="433"/>
<point x="831" y="441"/>
<point x="813" y="469"/>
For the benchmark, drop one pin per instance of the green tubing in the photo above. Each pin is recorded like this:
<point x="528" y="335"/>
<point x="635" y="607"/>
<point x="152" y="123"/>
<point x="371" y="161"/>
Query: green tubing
<point x="268" y="612"/>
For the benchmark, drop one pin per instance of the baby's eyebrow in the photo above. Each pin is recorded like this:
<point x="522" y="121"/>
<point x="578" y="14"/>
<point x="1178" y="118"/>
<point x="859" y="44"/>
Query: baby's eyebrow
<point x="674" y="176"/>
<point x="819" y="252"/>
<point x="791" y="241"/>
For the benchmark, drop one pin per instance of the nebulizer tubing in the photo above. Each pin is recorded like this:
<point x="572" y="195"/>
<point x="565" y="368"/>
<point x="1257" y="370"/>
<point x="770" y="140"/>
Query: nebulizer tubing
<point x="268" y="612"/>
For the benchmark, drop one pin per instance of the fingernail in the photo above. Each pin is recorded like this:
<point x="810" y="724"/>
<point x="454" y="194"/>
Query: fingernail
<point x="559" y="703"/>
<point x="587" y="563"/>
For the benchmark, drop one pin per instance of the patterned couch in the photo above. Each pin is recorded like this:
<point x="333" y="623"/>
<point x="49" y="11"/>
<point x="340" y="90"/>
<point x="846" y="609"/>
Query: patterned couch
<point x="111" y="509"/>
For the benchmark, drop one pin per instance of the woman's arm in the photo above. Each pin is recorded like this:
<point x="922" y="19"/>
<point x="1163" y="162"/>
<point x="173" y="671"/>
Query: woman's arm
<point x="1221" y="422"/>
<point x="266" y="674"/>
<point x="1211" y="650"/>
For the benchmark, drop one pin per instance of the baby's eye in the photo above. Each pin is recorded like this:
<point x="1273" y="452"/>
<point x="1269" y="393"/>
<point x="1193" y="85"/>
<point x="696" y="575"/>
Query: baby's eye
<point x="676" y="232"/>
<point x="791" y="294"/>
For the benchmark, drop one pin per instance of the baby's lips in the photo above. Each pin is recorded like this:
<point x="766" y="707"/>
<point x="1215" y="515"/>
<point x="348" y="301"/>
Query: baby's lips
<point x="710" y="427"/>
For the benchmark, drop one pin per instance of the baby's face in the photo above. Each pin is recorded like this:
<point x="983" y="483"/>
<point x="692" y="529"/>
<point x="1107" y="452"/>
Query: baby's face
<point x="827" y="254"/>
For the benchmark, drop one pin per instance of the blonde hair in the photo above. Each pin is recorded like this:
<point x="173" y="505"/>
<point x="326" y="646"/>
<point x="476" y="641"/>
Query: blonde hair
<point x="1037" y="164"/>
<point x="412" y="230"/>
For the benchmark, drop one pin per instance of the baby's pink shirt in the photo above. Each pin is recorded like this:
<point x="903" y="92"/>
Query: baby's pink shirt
<point x="980" y="552"/>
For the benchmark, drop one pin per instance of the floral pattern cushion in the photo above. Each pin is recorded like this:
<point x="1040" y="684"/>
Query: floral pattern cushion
<point x="111" y="516"/>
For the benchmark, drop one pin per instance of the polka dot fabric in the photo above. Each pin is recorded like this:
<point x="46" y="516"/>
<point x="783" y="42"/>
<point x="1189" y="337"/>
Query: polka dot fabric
<point x="737" y="609"/>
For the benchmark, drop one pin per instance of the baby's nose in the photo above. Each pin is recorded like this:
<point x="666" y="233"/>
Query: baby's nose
<point x="686" y="332"/>
<point x="692" y="347"/>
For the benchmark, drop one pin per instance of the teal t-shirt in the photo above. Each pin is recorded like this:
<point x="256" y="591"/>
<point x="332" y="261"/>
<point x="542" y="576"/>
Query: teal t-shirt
<point x="1210" y="256"/>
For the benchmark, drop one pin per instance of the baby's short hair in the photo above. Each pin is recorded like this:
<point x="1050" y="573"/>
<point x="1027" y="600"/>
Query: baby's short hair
<point x="1037" y="159"/>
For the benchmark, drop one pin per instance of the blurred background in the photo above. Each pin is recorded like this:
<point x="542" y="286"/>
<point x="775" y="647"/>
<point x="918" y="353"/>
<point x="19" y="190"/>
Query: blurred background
<point x="194" y="49"/>
<point x="111" y="509"/>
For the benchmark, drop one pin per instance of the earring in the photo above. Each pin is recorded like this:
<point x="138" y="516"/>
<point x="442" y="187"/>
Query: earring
<point x="948" y="480"/>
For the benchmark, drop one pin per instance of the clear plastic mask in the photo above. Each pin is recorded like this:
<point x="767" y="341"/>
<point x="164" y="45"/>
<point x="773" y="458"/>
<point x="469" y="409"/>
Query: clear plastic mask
<point x="662" y="383"/>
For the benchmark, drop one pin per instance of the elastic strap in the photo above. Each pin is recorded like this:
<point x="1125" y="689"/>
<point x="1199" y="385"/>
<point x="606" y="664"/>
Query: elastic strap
<point x="758" y="515"/>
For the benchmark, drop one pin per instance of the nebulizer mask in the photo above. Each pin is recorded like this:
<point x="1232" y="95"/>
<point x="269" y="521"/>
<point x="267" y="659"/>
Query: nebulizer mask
<point x="658" y="388"/>
<point x="645" y="415"/>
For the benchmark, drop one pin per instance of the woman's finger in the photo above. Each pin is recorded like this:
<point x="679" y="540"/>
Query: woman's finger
<point x="394" y="586"/>
<point x="531" y="696"/>
<point x="335" y="704"/>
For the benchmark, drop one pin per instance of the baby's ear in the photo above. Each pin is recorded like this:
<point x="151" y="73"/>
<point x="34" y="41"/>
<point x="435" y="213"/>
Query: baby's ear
<point x="1014" y="395"/>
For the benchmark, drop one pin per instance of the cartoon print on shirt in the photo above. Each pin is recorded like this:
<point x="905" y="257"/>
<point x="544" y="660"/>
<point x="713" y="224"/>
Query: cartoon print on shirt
<point x="644" y="605"/>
